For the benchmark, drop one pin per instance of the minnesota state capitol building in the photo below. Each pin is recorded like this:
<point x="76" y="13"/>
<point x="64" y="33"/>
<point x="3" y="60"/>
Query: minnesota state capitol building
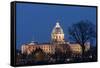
<point x="57" y="43"/>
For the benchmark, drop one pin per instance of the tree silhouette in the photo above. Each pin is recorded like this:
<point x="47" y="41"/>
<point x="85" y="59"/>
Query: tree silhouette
<point x="82" y="32"/>
<point x="39" y="54"/>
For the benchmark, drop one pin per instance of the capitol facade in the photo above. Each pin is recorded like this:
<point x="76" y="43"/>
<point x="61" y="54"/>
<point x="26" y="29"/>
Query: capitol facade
<point x="57" y="43"/>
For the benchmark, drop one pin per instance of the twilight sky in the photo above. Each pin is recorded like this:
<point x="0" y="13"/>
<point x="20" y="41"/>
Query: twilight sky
<point x="34" y="22"/>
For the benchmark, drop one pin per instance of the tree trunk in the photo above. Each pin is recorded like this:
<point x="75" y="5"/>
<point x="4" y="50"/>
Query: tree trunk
<point x="83" y="52"/>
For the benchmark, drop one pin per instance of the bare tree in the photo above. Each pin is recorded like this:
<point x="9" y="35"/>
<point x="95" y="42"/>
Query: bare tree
<point x="82" y="32"/>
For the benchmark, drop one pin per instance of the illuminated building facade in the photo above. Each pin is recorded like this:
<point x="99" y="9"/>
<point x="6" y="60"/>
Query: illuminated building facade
<point x="57" y="41"/>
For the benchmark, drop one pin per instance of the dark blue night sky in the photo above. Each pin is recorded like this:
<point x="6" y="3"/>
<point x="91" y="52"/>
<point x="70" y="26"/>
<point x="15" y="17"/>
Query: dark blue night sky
<point x="34" y="22"/>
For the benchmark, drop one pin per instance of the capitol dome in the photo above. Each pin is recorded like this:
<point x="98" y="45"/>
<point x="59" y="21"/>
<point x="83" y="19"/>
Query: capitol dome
<point x="57" y="35"/>
<point x="57" y="29"/>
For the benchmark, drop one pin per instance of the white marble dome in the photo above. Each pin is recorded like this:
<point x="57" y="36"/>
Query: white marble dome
<point x="57" y="29"/>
